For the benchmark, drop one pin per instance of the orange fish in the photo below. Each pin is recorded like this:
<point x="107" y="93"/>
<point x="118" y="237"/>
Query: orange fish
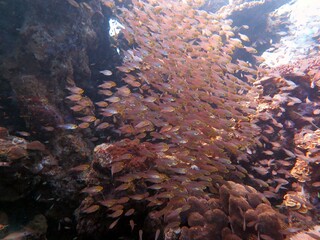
<point x="102" y="104"/>
<point x="75" y="90"/>
<point x="124" y="91"/>
<point x="131" y="224"/>
<point x="116" y="214"/>
<point x="113" y="99"/>
<point x="113" y="224"/>
<point x="108" y="202"/>
<point x="77" y="108"/>
<point x="88" y="119"/>
<point x="74" y="97"/>
<point x="129" y="212"/>
<point x="73" y="3"/>
<point x="80" y="168"/>
<point x="244" y="37"/>
<point x="117" y="167"/>
<point x="105" y="92"/>
<point x="91" y="209"/>
<point x="150" y="99"/>
<point x="167" y="109"/>
<point x="103" y="125"/>
<point x="92" y="190"/>
<point x="143" y="123"/>
<point x="84" y="125"/>
<point x="108" y="84"/>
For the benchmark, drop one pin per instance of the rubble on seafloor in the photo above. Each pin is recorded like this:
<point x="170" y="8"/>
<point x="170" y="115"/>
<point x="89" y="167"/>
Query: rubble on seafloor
<point x="92" y="166"/>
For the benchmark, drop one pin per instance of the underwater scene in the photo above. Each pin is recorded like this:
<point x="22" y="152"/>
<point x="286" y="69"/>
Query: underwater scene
<point x="159" y="120"/>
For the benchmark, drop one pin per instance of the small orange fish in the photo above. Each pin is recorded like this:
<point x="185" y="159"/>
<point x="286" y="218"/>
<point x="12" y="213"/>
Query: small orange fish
<point x="143" y="123"/>
<point x="108" y="112"/>
<point x="74" y="97"/>
<point x="73" y="3"/>
<point x="150" y="99"/>
<point x="77" y="108"/>
<point x="102" y="126"/>
<point x="133" y="83"/>
<point x="124" y="91"/>
<point x="316" y="184"/>
<point x="113" y="224"/>
<point x="113" y="99"/>
<point x="107" y="84"/>
<point x="129" y="212"/>
<point x="85" y="102"/>
<point x="123" y="186"/>
<point x="116" y="214"/>
<point x="105" y="92"/>
<point x="316" y="112"/>
<point x="88" y="119"/>
<point x="92" y="190"/>
<point x="131" y="222"/>
<point x="139" y="197"/>
<point x="75" y="90"/>
<point x="87" y="6"/>
<point x="84" y="125"/>
<point x="91" y="209"/>
<point x="123" y="200"/>
<point x="23" y="134"/>
<point x="250" y="50"/>
<point x="102" y="104"/>
<point x="36" y="146"/>
<point x="157" y="234"/>
<point x="167" y="109"/>
<point x="166" y="129"/>
<point x="268" y="152"/>
<point x="244" y="37"/>
<point x="48" y="128"/>
<point x="108" y="202"/>
<point x="117" y="167"/>
<point x="80" y="168"/>
<point x="5" y="164"/>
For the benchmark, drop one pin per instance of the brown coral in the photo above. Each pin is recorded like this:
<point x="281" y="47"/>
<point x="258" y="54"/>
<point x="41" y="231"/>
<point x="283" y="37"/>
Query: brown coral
<point x="297" y="201"/>
<point x="301" y="171"/>
<point x="212" y="220"/>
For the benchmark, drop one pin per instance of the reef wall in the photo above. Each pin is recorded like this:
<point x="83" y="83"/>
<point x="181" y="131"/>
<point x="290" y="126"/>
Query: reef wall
<point x="166" y="130"/>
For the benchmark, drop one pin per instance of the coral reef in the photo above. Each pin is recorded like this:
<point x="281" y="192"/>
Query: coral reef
<point x="20" y="162"/>
<point x="240" y="213"/>
<point x="289" y="119"/>
<point x="184" y="114"/>
<point x="311" y="234"/>
<point x="165" y="134"/>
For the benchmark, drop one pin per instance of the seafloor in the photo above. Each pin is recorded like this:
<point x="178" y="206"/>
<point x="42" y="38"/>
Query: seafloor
<point x="150" y="119"/>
